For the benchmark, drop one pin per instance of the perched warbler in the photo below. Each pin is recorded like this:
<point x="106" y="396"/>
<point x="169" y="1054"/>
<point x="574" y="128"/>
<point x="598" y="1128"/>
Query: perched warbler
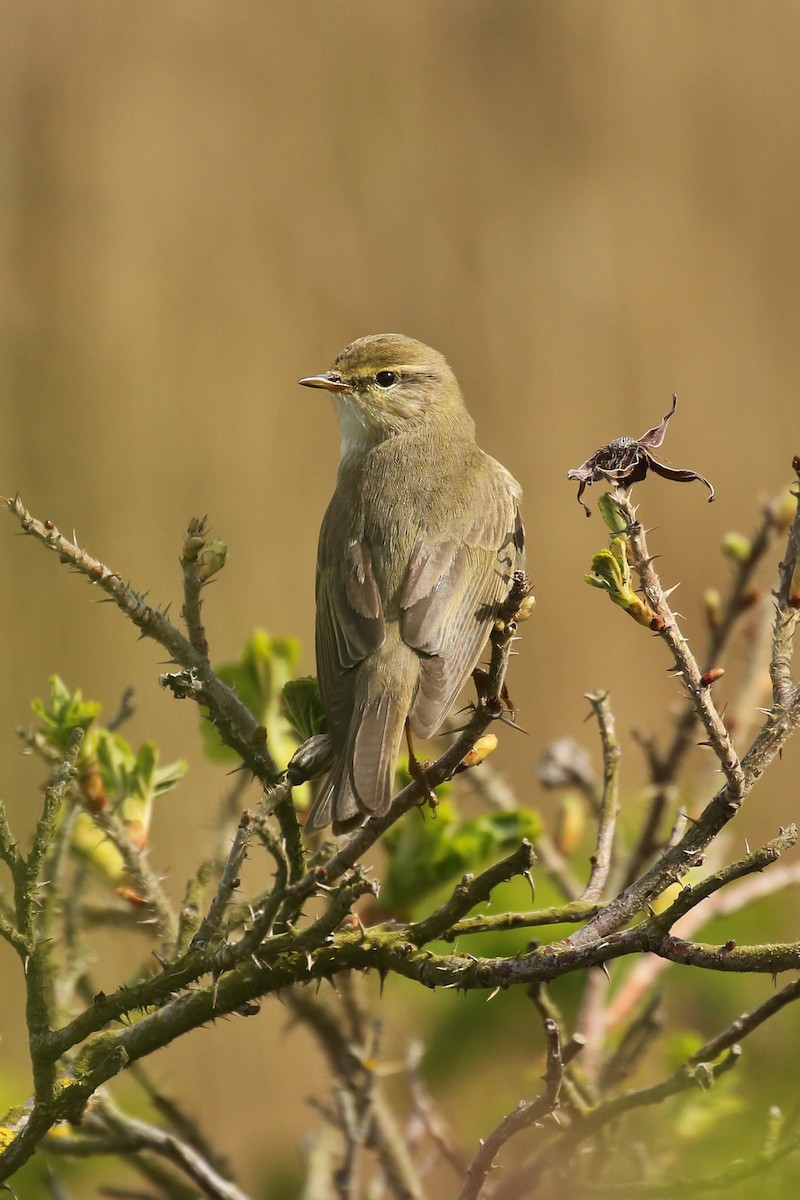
<point x="416" y="554"/>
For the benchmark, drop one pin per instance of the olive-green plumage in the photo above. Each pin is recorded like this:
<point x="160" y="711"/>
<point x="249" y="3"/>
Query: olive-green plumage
<point x="416" y="553"/>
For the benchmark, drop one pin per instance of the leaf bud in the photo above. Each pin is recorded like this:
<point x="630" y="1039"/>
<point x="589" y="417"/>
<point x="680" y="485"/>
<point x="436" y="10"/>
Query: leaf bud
<point x="736" y="547"/>
<point x="526" y="608"/>
<point x="311" y="760"/>
<point x="570" y="823"/>
<point x="712" y="602"/>
<point x="481" y="749"/>
<point x="611" y="514"/>
<point x="211" y="559"/>
<point x="783" y="509"/>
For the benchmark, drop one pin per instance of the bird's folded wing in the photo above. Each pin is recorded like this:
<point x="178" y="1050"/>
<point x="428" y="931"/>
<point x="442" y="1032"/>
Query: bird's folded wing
<point x="350" y="626"/>
<point x="450" y="598"/>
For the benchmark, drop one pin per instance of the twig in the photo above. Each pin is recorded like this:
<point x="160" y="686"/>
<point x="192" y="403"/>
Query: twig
<point x="236" y="724"/>
<point x="782" y="721"/>
<point x="425" y="1116"/>
<point x="636" y="1039"/>
<point x="351" y="1066"/>
<point x="127" y="708"/>
<point x="609" y="802"/>
<point x="212" y="922"/>
<point x="470" y="891"/>
<point x="665" y="767"/>
<point x="562" y="1147"/>
<point x="193" y="586"/>
<point x="564" y="914"/>
<point x="787" y="613"/>
<point x="590" y="1021"/>
<point x="130" y="1136"/>
<point x="686" y="663"/>
<point x="739" y="1029"/>
<point x="495" y="792"/>
<point x="526" y="1113"/>
<point x="153" y="896"/>
<point x="733" y="899"/>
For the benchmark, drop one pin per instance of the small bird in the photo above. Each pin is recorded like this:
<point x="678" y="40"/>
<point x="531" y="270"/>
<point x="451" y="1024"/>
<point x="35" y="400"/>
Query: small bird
<point x="416" y="555"/>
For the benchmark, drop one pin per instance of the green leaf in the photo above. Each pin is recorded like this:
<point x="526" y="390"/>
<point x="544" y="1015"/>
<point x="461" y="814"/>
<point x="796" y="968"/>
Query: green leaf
<point x="258" y="678"/>
<point x="611" y="573"/>
<point x="302" y="706"/>
<point x="67" y="711"/>
<point x="110" y="774"/>
<point x="611" y="514"/>
<point x="426" y="854"/>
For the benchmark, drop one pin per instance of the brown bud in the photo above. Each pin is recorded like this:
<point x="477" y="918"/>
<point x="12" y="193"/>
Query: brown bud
<point x="711" y="676"/>
<point x="91" y="785"/>
<point x="137" y="832"/>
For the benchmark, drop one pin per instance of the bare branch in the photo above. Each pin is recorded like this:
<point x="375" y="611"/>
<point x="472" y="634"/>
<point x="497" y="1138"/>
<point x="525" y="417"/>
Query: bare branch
<point x="609" y="802"/>
<point x="526" y="1114"/>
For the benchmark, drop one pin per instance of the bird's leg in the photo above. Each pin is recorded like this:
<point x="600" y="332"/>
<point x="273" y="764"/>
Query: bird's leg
<point x="418" y="770"/>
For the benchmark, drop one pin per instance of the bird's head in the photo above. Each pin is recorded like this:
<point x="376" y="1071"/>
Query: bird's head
<point x="387" y="383"/>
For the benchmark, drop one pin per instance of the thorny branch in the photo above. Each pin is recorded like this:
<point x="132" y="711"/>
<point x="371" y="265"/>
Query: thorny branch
<point x="303" y="927"/>
<point x="526" y="1113"/>
<point x="609" y="802"/>
<point x="782" y="720"/>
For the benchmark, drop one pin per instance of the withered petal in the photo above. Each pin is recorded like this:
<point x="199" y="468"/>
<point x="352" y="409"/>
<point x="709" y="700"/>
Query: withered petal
<point x="655" y="436"/>
<point x="583" y="473"/>
<point x="681" y="476"/>
<point x="584" y="482"/>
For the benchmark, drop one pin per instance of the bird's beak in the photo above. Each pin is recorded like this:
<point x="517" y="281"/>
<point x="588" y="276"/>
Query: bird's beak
<point x="329" y="381"/>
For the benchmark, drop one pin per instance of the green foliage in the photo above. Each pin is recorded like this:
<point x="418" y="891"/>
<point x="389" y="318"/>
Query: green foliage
<point x="264" y="668"/>
<point x="426" y="854"/>
<point x="67" y="711"/>
<point x="302" y="706"/>
<point x="736" y="547"/>
<point x="611" y="573"/>
<point x="135" y="777"/>
<point x="610" y="513"/>
<point x="111" y="774"/>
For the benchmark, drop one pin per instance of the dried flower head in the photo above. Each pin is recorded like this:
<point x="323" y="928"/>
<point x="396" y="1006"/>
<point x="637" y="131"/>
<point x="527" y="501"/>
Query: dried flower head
<point x="627" y="460"/>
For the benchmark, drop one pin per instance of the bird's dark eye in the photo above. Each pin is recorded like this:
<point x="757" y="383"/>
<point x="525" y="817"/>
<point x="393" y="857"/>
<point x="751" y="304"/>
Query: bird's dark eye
<point x="385" y="379"/>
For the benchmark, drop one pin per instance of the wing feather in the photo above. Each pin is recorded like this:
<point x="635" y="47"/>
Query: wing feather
<point x="451" y="597"/>
<point x="350" y="626"/>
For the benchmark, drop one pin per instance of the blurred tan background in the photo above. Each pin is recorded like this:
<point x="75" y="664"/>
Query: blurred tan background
<point x="585" y="206"/>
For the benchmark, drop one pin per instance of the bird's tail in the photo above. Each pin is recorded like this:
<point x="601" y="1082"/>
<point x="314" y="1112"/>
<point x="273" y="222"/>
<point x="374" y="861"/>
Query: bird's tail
<point x="362" y="781"/>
